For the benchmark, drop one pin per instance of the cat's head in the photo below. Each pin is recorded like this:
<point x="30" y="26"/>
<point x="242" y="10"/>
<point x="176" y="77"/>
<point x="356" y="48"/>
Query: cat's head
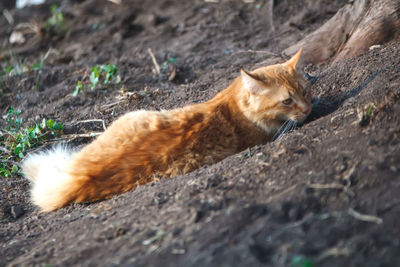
<point x="277" y="93"/>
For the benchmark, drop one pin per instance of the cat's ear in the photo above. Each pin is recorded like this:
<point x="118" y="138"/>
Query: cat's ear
<point x="251" y="82"/>
<point x="295" y="59"/>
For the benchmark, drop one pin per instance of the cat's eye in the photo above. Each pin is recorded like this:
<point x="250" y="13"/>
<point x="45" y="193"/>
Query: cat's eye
<point x="304" y="92"/>
<point x="287" y="101"/>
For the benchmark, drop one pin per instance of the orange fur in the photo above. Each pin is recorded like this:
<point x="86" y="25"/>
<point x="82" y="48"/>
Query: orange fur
<point x="143" y="145"/>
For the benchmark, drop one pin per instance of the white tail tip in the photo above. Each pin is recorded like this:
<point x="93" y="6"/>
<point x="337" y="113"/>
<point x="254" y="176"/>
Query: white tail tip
<point x="48" y="172"/>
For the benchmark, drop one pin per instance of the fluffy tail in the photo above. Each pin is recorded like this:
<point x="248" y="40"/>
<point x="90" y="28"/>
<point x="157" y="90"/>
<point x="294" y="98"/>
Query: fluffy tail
<point x="48" y="171"/>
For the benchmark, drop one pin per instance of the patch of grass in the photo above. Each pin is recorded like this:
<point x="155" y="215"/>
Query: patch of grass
<point x="12" y="69"/>
<point x="18" y="67"/>
<point x="16" y="140"/>
<point x="55" y="25"/>
<point x="100" y="74"/>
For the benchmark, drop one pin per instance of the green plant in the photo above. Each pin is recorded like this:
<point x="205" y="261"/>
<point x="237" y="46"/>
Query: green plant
<point x="12" y="119"/>
<point x="6" y="170"/>
<point x="16" y="140"/>
<point x="78" y="88"/>
<point x="19" y="67"/>
<point x="171" y="60"/>
<point x="367" y="114"/>
<point x="37" y="66"/>
<point x="5" y="69"/>
<point x="55" y="25"/>
<point x="100" y="74"/>
<point x="94" y="77"/>
<point x="109" y="71"/>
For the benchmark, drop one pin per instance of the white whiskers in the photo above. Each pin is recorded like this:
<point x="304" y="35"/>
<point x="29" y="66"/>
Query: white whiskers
<point x="286" y="127"/>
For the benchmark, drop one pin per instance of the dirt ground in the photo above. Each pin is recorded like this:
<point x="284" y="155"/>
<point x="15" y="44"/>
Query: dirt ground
<point x="326" y="194"/>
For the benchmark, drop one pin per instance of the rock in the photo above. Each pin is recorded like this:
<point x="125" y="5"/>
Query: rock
<point x="17" y="211"/>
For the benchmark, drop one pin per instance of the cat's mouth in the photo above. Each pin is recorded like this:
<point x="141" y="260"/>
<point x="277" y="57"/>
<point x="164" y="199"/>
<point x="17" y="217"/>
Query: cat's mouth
<point x="300" y="118"/>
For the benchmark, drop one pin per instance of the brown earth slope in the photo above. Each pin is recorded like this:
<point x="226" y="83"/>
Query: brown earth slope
<point x="326" y="194"/>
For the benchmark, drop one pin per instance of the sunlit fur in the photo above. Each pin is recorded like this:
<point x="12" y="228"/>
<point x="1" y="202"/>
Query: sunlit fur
<point x="142" y="146"/>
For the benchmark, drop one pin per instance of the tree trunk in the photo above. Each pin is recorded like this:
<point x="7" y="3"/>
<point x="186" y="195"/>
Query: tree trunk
<point x="355" y="27"/>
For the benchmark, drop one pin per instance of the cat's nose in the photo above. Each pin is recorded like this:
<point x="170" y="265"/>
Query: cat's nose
<point x="306" y="111"/>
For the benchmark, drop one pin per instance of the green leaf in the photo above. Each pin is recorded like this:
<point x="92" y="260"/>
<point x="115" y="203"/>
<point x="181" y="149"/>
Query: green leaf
<point x="94" y="77"/>
<point x="14" y="169"/>
<point x="32" y="135"/>
<point x="43" y="124"/>
<point x="53" y="9"/>
<point x="37" y="67"/>
<point x="10" y="112"/>
<point x="370" y="108"/>
<point x="55" y="23"/>
<point x="165" y="64"/>
<point x="58" y="126"/>
<point x="172" y="60"/>
<point x="50" y="123"/>
<point x="78" y="88"/>
<point x="18" y="149"/>
<point x="9" y="69"/>
<point x="4" y="172"/>
<point x="37" y="129"/>
<point x="301" y="261"/>
<point x="110" y="70"/>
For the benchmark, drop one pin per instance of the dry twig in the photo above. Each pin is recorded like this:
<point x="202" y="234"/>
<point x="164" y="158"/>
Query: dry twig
<point x="75" y="136"/>
<point x="153" y="58"/>
<point x="112" y="104"/>
<point x="364" y="217"/>
<point x="256" y="52"/>
<point x="117" y="2"/>
<point x="94" y="120"/>
<point x="335" y="252"/>
<point x="271" y="14"/>
<point x="271" y="198"/>
<point x="326" y="186"/>
<point x="348" y="174"/>
<point x="345" y="188"/>
<point x="9" y="17"/>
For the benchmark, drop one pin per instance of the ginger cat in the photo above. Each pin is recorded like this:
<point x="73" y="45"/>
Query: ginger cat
<point x="141" y="145"/>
